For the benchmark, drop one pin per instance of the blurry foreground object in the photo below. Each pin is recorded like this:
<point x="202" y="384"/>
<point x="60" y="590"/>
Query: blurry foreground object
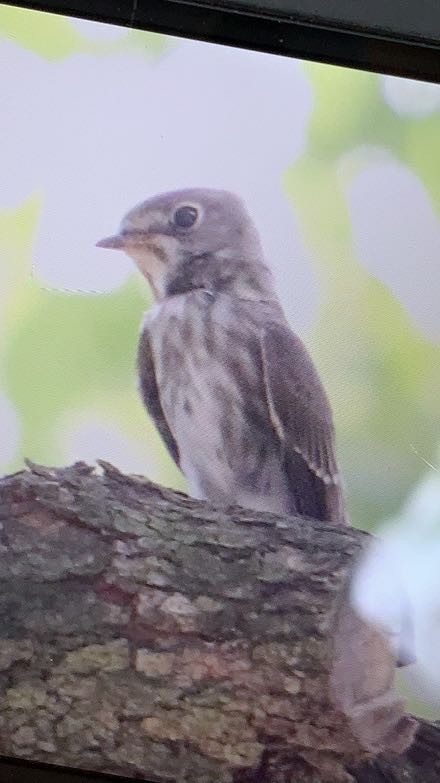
<point x="398" y="586"/>
<point x="232" y="390"/>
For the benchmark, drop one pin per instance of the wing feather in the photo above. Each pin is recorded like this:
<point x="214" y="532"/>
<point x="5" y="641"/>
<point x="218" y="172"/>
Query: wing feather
<point x="302" y="419"/>
<point x="150" y="393"/>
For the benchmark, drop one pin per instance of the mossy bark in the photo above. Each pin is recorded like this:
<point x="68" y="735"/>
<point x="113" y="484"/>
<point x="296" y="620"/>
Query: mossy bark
<point x="148" y="634"/>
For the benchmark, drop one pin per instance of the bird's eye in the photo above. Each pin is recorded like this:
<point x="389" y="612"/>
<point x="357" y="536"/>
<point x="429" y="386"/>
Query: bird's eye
<point x="185" y="217"/>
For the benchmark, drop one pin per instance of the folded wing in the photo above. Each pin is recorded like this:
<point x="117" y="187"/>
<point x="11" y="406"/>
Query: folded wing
<point x="150" y="394"/>
<point x="302" y="420"/>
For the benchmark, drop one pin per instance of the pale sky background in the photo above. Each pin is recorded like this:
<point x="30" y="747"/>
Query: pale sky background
<point x="108" y="132"/>
<point x="95" y="135"/>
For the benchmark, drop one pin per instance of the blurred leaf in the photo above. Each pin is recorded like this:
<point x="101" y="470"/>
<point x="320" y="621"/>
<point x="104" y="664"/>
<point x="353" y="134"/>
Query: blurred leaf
<point x="421" y="151"/>
<point x="381" y="376"/>
<point x="48" y="35"/>
<point x="62" y="348"/>
<point x="349" y="110"/>
<point x="53" y="37"/>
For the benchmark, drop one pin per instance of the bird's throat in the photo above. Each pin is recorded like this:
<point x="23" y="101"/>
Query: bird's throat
<point x="153" y="259"/>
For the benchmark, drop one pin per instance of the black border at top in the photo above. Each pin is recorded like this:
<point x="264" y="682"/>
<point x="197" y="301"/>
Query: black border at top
<point x="263" y="29"/>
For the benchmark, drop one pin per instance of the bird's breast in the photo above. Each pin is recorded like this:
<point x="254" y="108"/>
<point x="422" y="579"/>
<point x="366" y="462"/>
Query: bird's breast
<point x="191" y="341"/>
<point x="208" y="371"/>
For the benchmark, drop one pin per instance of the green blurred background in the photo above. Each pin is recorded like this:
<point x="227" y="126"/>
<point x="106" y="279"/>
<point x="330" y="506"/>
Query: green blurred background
<point x="67" y="360"/>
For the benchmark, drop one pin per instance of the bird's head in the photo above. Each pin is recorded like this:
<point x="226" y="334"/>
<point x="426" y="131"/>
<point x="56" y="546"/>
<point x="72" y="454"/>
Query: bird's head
<point x="194" y="238"/>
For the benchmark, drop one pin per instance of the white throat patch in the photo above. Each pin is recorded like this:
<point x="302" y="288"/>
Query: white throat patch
<point x="154" y="259"/>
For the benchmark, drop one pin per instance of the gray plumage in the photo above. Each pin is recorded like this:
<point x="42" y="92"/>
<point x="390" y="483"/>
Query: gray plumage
<point x="232" y="390"/>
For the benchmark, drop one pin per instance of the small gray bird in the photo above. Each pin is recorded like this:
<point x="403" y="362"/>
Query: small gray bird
<point x="232" y="390"/>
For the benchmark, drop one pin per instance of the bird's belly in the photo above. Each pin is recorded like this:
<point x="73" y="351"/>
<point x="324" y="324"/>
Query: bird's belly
<point x="196" y="423"/>
<point x="207" y="468"/>
<point x="225" y="455"/>
<point x="222" y="459"/>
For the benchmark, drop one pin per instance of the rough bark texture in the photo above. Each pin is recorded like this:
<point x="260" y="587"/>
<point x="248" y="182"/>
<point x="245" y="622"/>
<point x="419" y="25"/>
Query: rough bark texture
<point x="148" y="634"/>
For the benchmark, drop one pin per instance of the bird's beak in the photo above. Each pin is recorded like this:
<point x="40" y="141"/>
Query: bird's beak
<point x="116" y="242"/>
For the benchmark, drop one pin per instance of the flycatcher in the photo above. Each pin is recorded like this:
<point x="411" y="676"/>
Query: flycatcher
<point x="232" y="390"/>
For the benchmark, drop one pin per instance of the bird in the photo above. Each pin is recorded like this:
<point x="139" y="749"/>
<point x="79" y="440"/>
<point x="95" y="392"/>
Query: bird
<point x="231" y="388"/>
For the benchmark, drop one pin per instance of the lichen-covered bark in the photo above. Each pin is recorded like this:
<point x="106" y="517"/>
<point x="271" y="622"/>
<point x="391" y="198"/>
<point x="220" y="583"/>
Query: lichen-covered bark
<point x="145" y="633"/>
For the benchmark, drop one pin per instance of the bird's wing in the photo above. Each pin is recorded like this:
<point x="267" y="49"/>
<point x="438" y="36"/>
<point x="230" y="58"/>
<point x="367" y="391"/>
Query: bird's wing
<point x="150" y="394"/>
<point x="302" y="420"/>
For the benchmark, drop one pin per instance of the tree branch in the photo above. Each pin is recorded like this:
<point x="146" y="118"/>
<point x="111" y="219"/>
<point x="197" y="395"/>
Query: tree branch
<point x="149" y="634"/>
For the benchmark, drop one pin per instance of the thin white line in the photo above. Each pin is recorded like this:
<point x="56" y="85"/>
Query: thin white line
<point x="429" y="464"/>
<point x="51" y="289"/>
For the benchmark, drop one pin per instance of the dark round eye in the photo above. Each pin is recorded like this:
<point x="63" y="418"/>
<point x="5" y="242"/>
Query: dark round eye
<point x="185" y="217"/>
